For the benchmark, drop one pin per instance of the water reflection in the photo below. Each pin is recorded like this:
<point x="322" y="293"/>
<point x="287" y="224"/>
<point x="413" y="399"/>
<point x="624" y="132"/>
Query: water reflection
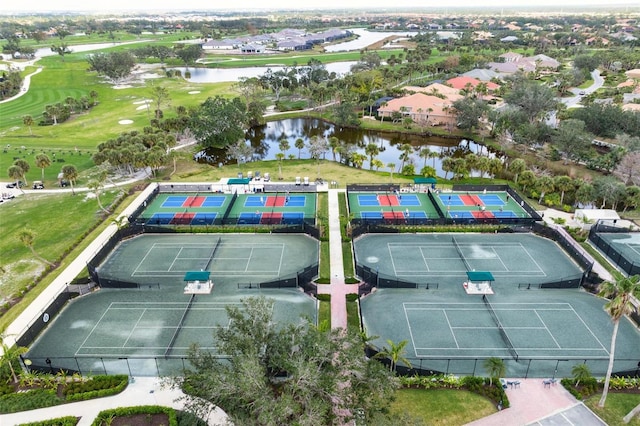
<point x="265" y="142"/>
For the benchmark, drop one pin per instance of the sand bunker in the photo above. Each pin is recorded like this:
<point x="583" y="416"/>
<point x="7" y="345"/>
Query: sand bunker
<point x="125" y="122"/>
<point x="194" y="92"/>
<point x="144" y="101"/>
<point x="141" y="107"/>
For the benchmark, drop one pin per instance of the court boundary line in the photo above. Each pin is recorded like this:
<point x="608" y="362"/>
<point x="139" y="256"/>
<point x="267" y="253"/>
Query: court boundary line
<point x="214" y="306"/>
<point x="568" y="308"/>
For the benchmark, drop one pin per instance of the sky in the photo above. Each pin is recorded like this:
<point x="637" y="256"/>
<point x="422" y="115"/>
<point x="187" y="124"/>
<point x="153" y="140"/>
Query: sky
<point x="156" y="5"/>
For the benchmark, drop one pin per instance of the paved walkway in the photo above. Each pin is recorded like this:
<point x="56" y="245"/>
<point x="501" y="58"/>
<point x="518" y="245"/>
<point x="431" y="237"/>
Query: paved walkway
<point x="142" y="391"/>
<point x="337" y="289"/>
<point x="534" y="404"/>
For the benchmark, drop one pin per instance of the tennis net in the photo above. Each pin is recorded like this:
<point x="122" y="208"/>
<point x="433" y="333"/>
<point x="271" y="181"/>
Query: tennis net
<point x="504" y="335"/>
<point x="179" y="326"/>
<point x="213" y="253"/>
<point x="464" y="259"/>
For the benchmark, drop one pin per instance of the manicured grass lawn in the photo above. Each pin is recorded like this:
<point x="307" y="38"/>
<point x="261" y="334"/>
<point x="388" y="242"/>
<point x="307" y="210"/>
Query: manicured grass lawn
<point x="324" y="312"/>
<point x="58" y="220"/>
<point x="617" y="406"/>
<point x="441" y="406"/>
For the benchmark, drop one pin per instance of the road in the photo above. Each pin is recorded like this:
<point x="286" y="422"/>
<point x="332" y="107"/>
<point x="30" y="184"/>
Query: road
<point x="574" y="101"/>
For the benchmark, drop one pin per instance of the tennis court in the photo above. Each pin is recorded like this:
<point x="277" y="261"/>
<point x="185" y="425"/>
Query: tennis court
<point x="391" y="205"/>
<point x="480" y="205"/>
<point x="186" y="209"/>
<point x="155" y="324"/>
<point x="274" y="208"/>
<point x="449" y="330"/>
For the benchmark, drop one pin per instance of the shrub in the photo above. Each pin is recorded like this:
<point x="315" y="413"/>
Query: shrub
<point x="60" y="421"/>
<point x="23" y="401"/>
<point x="96" y="387"/>
<point x="105" y="417"/>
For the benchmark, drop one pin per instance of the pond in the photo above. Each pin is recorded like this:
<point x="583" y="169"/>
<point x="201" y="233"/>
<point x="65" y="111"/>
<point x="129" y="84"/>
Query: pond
<point x="217" y="75"/>
<point x="366" y="38"/>
<point x="265" y="140"/>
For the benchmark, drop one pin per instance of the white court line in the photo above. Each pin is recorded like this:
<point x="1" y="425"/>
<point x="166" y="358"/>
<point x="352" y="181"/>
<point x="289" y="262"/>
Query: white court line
<point x="281" y="260"/>
<point x="533" y="260"/>
<point x="493" y="249"/>
<point x="547" y="328"/>
<point x="424" y="260"/>
<point x="175" y="258"/>
<point x="246" y="266"/>
<point x="134" y="328"/>
<point x="393" y="263"/>
<point x="142" y="260"/>
<point x="590" y="331"/>
<point x="444" y="312"/>
<point x="413" y="343"/>
<point x="94" y="328"/>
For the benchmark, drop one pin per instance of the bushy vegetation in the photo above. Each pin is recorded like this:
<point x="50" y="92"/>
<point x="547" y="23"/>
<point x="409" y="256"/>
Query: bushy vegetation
<point x="59" y="421"/>
<point x="479" y="385"/>
<point x="106" y="417"/>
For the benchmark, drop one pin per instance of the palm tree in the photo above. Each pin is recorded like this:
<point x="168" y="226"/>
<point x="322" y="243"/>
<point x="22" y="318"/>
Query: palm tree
<point x="299" y="143"/>
<point x="334" y="143"/>
<point x="280" y="157"/>
<point x="372" y="150"/>
<point x="563" y="184"/>
<point x="391" y="167"/>
<point x="27" y="237"/>
<point x="15" y="173"/>
<point x="284" y="146"/>
<point x="622" y="290"/>
<point x="395" y="354"/>
<point x="447" y="165"/>
<point x="516" y="167"/>
<point x="580" y="373"/>
<point x="27" y="120"/>
<point x="495" y="368"/>
<point x="406" y="150"/>
<point x="377" y="163"/>
<point x="544" y="185"/>
<point x="70" y="174"/>
<point x="10" y="355"/>
<point x="42" y="162"/>
<point x="96" y="186"/>
<point x="24" y="165"/>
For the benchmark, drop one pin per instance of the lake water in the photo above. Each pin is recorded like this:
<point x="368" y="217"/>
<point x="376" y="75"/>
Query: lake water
<point x="265" y="140"/>
<point x="366" y="38"/>
<point x="217" y="75"/>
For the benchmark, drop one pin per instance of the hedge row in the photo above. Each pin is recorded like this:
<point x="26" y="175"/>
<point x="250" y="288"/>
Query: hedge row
<point x="106" y="417"/>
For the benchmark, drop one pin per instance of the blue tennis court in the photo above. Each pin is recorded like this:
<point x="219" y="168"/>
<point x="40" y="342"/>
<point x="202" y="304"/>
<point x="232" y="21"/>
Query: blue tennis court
<point x="408" y="200"/>
<point x="461" y="215"/>
<point x="161" y="218"/>
<point x="174" y="201"/>
<point x="451" y="200"/>
<point x="247" y="218"/>
<point x="295" y="201"/>
<point x="368" y="200"/>
<point x="254" y="201"/>
<point x="416" y="215"/>
<point x="213" y="201"/>
<point x="291" y="218"/>
<point x="491" y="200"/>
<point x="505" y="213"/>
<point x="204" y="218"/>
<point x="371" y="215"/>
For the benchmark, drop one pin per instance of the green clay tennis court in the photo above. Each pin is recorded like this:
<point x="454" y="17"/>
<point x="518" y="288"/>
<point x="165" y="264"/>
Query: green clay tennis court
<point x="451" y="331"/>
<point x="154" y="324"/>
<point x="417" y="205"/>
<point x="245" y="209"/>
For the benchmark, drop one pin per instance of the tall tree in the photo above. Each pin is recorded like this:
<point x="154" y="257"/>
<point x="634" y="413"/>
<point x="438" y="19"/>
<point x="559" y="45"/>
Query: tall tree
<point x="495" y="368"/>
<point x="516" y="167"/>
<point x="114" y="65"/>
<point x="219" y="122"/>
<point x="621" y="292"/>
<point x="276" y="374"/>
<point x="572" y="139"/>
<point x="27" y="120"/>
<point x="42" y="162"/>
<point x="372" y="150"/>
<point x="395" y="353"/>
<point x="533" y="99"/>
<point x="318" y="147"/>
<point x="70" y="174"/>
<point x="10" y="356"/>
<point x="24" y="166"/>
<point x="27" y="237"/>
<point x="160" y="96"/>
<point x="283" y="145"/>
<point x="15" y="173"/>
<point x="299" y="144"/>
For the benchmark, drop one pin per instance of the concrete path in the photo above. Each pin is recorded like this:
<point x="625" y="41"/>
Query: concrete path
<point x="337" y="289"/>
<point x="141" y="391"/>
<point x="25" y="86"/>
<point x="534" y="404"/>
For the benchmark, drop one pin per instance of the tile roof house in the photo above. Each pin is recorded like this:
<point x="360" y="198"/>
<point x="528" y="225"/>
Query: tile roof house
<point x="462" y="82"/>
<point x="436" y="89"/>
<point x="422" y="108"/>
<point x="481" y="74"/>
<point x="511" y="57"/>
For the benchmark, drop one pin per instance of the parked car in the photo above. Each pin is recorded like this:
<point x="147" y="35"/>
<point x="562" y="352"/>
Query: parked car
<point x="38" y="184"/>
<point x="582" y="93"/>
<point x="13" y="184"/>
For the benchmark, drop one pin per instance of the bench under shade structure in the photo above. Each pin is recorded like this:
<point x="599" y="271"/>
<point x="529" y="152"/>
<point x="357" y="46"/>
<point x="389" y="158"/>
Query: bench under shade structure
<point x="198" y="282"/>
<point x="478" y="282"/>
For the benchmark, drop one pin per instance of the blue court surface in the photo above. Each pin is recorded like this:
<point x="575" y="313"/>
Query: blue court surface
<point x="204" y="218"/>
<point x="461" y="215"/>
<point x="174" y="201"/>
<point x="254" y="201"/>
<point x="451" y="200"/>
<point x="292" y="217"/>
<point x="409" y="200"/>
<point x="371" y="215"/>
<point x="213" y="201"/>
<point x="368" y="200"/>
<point x="296" y="201"/>
<point x="416" y="215"/>
<point x="503" y="214"/>
<point x="161" y="218"/>
<point x="491" y="200"/>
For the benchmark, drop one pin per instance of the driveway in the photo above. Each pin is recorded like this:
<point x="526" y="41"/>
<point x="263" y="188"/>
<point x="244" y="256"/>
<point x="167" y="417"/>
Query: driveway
<point x="574" y="101"/>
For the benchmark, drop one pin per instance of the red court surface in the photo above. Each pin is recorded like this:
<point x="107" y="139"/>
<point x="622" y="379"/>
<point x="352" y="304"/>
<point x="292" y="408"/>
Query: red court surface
<point x="270" y="218"/>
<point x="393" y="215"/>
<point x="471" y="200"/>
<point x="388" y="200"/>
<point x="182" y="218"/>
<point x="479" y="214"/>
<point x="194" y="202"/>
<point x="275" y="201"/>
